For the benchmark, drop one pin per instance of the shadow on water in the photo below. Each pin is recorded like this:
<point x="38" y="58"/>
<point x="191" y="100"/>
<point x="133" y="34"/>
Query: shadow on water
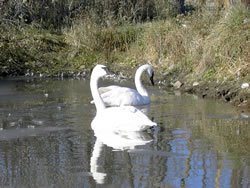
<point x="46" y="140"/>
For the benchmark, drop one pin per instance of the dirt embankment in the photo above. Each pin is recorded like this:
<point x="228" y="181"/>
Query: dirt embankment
<point x="234" y="92"/>
<point x="227" y="92"/>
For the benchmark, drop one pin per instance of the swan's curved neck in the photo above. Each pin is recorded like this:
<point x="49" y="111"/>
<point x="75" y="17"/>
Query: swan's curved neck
<point x="138" y="84"/>
<point x="99" y="104"/>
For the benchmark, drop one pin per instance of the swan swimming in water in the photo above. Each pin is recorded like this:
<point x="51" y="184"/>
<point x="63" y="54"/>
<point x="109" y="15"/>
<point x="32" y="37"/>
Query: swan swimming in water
<point x="124" y="96"/>
<point x="118" y="119"/>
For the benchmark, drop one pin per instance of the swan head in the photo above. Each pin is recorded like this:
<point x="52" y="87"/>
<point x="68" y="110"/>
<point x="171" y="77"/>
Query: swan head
<point x="99" y="70"/>
<point x="150" y="72"/>
<point x="147" y="68"/>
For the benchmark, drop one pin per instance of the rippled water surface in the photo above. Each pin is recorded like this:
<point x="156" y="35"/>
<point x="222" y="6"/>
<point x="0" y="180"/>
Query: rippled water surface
<point x="46" y="140"/>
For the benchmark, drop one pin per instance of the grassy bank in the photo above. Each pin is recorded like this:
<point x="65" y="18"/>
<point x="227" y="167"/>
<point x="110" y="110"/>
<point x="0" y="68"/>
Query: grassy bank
<point x="206" y="46"/>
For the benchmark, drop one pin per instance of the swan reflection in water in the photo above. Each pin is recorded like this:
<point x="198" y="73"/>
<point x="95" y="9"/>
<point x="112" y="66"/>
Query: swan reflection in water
<point x="117" y="141"/>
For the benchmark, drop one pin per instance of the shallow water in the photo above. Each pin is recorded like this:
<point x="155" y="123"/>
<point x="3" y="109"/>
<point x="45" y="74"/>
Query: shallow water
<point x="46" y="140"/>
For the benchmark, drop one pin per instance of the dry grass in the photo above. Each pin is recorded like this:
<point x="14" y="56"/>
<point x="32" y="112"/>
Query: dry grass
<point x="227" y="47"/>
<point x="203" y="45"/>
<point x="207" y="44"/>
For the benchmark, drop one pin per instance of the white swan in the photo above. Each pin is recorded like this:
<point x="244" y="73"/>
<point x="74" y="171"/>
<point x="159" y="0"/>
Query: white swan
<point x="125" y="118"/>
<point x="123" y="96"/>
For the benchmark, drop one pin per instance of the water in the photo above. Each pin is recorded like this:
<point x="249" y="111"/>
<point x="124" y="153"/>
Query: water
<point x="46" y="140"/>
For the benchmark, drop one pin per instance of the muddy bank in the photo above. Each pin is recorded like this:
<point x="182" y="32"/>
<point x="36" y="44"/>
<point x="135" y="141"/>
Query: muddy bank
<point x="229" y="92"/>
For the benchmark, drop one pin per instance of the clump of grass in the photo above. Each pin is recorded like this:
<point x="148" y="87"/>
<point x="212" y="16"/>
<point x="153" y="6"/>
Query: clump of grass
<point x="176" y="44"/>
<point x="82" y="34"/>
<point x="103" y="43"/>
<point x="120" y="38"/>
<point x="12" y="55"/>
<point x="28" y="48"/>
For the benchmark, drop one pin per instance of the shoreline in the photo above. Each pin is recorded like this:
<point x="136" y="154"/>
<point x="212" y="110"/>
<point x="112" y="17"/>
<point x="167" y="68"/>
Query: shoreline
<point x="228" y="92"/>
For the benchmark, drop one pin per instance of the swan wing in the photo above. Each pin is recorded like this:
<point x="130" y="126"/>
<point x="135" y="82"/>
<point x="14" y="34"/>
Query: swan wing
<point x="110" y="93"/>
<point x="108" y="88"/>
<point x="123" y="96"/>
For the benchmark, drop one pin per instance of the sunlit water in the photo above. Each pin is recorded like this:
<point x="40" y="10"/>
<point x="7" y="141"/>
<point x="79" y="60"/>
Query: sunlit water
<point x="46" y="140"/>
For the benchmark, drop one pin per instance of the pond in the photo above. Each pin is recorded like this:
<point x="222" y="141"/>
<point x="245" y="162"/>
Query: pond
<point x="46" y="140"/>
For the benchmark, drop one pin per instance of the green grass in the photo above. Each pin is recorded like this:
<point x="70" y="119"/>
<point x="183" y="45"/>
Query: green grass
<point x="28" y="48"/>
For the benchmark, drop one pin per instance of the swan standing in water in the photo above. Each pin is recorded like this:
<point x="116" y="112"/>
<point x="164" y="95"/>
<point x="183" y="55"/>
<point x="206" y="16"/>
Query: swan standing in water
<point x="117" y="119"/>
<point x="124" y="96"/>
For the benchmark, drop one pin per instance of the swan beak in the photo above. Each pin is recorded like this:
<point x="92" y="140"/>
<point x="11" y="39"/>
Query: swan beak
<point x="108" y="72"/>
<point x="152" y="79"/>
